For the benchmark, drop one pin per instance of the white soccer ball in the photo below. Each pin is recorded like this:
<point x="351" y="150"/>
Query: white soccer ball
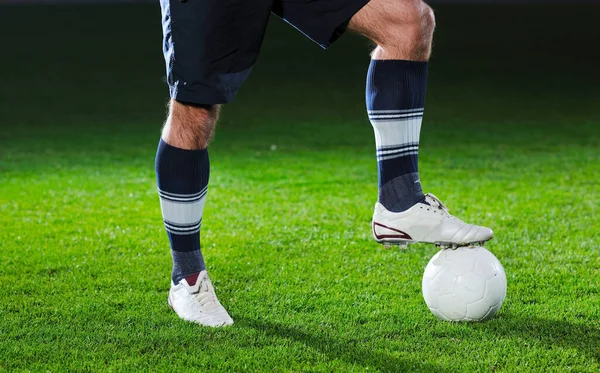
<point x="465" y="284"/>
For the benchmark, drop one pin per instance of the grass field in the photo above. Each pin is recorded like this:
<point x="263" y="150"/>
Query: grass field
<point x="511" y="140"/>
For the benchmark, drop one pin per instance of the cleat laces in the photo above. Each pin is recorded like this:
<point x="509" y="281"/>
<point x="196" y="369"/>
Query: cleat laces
<point x="435" y="202"/>
<point x="205" y="294"/>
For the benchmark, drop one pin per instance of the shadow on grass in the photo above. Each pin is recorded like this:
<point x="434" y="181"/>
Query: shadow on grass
<point x="553" y="333"/>
<point x="348" y="351"/>
<point x="556" y="333"/>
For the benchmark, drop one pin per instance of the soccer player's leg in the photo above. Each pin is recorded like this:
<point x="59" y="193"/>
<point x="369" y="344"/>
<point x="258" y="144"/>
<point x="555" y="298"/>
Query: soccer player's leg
<point x="210" y="47"/>
<point x="396" y="83"/>
<point x="182" y="172"/>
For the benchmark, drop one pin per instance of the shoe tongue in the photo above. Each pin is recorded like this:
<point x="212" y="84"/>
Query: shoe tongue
<point x="434" y="202"/>
<point x="204" y="286"/>
<point x="191" y="279"/>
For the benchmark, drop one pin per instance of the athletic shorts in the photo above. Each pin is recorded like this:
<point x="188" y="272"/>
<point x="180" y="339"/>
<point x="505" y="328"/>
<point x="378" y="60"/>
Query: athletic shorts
<point x="210" y="46"/>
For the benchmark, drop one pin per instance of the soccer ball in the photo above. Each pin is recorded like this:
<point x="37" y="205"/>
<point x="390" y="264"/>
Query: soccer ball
<point x="465" y="284"/>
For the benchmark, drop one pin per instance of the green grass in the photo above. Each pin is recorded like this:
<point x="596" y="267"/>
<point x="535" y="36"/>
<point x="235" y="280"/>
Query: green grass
<point x="511" y="140"/>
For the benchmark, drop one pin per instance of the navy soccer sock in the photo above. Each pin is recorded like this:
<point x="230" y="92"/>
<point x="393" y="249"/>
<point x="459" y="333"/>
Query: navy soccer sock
<point x="182" y="177"/>
<point x="395" y="102"/>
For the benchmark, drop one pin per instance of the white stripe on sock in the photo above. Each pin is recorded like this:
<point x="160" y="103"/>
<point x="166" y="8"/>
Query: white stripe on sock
<point x="397" y="132"/>
<point x="397" y="151"/>
<point x="392" y="156"/>
<point x="182" y="230"/>
<point x="398" y="146"/>
<point x="395" y="111"/>
<point x="182" y="212"/>
<point x="183" y="198"/>
<point x="182" y="233"/>
<point x="396" y="116"/>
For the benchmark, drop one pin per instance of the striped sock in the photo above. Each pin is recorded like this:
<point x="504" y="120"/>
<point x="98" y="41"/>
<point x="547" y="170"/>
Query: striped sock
<point x="395" y="101"/>
<point x="182" y="177"/>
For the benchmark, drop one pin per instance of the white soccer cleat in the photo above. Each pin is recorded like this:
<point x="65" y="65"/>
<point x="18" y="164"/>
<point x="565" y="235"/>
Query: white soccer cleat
<point x="428" y="222"/>
<point x="198" y="303"/>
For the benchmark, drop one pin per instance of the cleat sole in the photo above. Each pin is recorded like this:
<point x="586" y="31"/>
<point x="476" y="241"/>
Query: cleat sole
<point x="403" y="244"/>
<point x="454" y="245"/>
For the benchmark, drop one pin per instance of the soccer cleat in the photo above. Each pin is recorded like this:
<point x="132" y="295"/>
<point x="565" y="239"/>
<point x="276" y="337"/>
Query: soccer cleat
<point x="198" y="303"/>
<point x="427" y="222"/>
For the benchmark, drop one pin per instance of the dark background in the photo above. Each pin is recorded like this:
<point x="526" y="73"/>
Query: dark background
<point x="97" y="71"/>
<point x="106" y="60"/>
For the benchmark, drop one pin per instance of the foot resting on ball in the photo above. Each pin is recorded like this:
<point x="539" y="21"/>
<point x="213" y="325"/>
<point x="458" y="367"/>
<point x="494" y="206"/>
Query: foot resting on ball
<point x="429" y="222"/>
<point x="198" y="302"/>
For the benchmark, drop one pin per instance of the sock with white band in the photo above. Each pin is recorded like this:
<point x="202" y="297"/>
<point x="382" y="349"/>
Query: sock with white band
<point x="395" y="103"/>
<point x="182" y="178"/>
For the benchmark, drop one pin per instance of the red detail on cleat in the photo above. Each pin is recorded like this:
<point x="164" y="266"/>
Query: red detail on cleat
<point x="401" y="234"/>
<point x="191" y="279"/>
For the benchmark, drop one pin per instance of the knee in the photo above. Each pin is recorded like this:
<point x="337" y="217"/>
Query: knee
<point x="428" y="20"/>
<point x="413" y="19"/>
<point x="190" y="126"/>
<point x="428" y="17"/>
<point x="404" y="22"/>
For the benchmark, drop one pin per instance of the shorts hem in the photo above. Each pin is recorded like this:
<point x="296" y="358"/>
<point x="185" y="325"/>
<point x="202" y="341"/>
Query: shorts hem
<point x="203" y="97"/>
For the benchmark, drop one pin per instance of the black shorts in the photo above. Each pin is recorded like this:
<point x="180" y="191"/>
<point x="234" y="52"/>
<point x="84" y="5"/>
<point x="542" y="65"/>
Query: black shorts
<point x="210" y="46"/>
